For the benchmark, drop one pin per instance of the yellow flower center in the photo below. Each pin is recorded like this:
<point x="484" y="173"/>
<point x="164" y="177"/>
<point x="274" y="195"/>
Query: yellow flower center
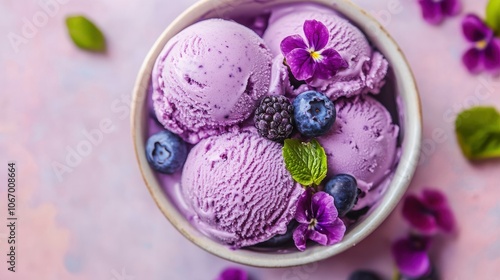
<point x="315" y="55"/>
<point x="312" y="224"/>
<point x="481" y="44"/>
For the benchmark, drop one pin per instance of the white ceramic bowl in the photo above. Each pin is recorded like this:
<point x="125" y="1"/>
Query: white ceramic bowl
<point x="411" y="121"/>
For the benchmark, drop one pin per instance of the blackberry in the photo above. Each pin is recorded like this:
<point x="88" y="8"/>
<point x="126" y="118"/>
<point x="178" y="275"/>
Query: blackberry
<point x="273" y="118"/>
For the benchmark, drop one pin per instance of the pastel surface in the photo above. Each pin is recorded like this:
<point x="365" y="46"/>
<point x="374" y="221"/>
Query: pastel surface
<point x="99" y="221"/>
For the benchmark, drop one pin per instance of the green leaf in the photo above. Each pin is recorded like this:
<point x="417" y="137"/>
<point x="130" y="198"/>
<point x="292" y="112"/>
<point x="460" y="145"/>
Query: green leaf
<point x="478" y="132"/>
<point x="85" y="34"/>
<point x="493" y="15"/>
<point x="305" y="161"/>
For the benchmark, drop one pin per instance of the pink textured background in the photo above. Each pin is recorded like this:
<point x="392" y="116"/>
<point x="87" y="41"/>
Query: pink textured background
<point x="99" y="221"/>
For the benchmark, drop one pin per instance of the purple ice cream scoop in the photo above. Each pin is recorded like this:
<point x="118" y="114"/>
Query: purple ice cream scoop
<point x="362" y="142"/>
<point x="209" y="78"/>
<point x="239" y="189"/>
<point x="367" y="68"/>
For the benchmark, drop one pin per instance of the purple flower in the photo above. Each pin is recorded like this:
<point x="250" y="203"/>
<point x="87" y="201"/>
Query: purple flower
<point x="434" y="11"/>
<point x="233" y="273"/>
<point x="411" y="256"/>
<point x="318" y="220"/>
<point x="311" y="60"/>
<point x="485" y="54"/>
<point x="428" y="213"/>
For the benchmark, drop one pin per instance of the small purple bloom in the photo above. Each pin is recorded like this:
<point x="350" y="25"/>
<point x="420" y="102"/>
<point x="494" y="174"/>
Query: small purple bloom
<point x="233" y="273"/>
<point x="428" y="213"/>
<point x="411" y="256"/>
<point x="311" y="60"/>
<point x="318" y="220"/>
<point x="485" y="53"/>
<point x="434" y="11"/>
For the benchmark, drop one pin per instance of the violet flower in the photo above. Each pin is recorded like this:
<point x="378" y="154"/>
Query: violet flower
<point x="318" y="220"/>
<point x="485" y="53"/>
<point x="233" y="273"/>
<point x="434" y="11"/>
<point x="428" y="213"/>
<point x="311" y="60"/>
<point x="411" y="256"/>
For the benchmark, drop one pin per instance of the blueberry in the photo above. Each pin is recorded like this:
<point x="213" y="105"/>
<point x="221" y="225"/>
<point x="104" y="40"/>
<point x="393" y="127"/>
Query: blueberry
<point x="364" y="275"/>
<point x="314" y="113"/>
<point x="344" y="190"/>
<point x="281" y="240"/>
<point x="166" y="152"/>
<point x="432" y="275"/>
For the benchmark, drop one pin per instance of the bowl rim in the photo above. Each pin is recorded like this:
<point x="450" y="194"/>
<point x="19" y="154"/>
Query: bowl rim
<point x="396" y="189"/>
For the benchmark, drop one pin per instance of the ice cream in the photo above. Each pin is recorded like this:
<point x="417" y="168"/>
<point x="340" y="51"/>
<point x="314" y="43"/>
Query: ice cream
<point x="209" y="78"/>
<point x="362" y="142"/>
<point x="367" y="68"/>
<point x="209" y="86"/>
<point x="239" y="188"/>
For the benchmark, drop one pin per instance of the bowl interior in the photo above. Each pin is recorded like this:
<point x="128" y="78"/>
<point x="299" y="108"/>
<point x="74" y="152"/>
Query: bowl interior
<point x="409" y="118"/>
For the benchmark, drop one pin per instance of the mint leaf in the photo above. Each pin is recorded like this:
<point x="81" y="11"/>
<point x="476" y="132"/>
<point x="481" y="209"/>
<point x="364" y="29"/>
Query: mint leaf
<point x="305" y="161"/>
<point x="85" y="34"/>
<point x="478" y="132"/>
<point x="493" y="15"/>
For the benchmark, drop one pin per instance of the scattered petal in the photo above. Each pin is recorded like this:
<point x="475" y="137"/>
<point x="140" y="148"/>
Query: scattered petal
<point x="411" y="256"/>
<point x="445" y="220"/>
<point x="475" y="29"/>
<point x="452" y="7"/>
<point x="492" y="55"/>
<point x="432" y="11"/>
<point x="471" y="59"/>
<point x="415" y="212"/>
<point x="429" y="213"/>
<point x="233" y="273"/>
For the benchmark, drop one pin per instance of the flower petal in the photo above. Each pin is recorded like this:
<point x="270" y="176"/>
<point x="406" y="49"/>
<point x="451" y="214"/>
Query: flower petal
<point x="412" y="262"/>
<point x="300" y="236"/>
<point x="317" y="34"/>
<point x="331" y="63"/>
<point x="475" y="29"/>
<point x="437" y="203"/>
<point x="233" y="273"/>
<point x="432" y="11"/>
<point x="318" y="237"/>
<point x="334" y="231"/>
<point x="301" y="64"/>
<point x="445" y="219"/>
<point x="492" y="55"/>
<point x="415" y="212"/>
<point x="323" y="208"/>
<point x="433" y="198"/>
<point x="451" y="7"/>
<point x="471" y="59"/>
<point x="292" y="42"/>
<point x="303" y="213"/>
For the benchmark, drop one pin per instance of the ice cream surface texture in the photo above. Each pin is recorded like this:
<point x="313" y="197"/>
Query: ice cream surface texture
<point x="362" y="142"/>
<point x="239" y="188"/>
<point x="367" y="68"/>
<point x="209" y="78"/>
